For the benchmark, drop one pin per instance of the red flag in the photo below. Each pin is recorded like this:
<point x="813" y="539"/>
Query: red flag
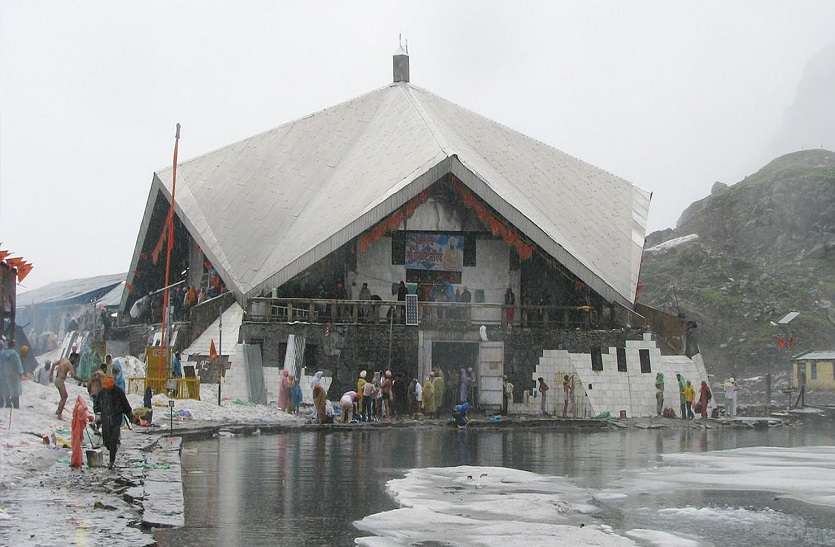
<point x="212" y="350"/>
<point x="23" y="271"/>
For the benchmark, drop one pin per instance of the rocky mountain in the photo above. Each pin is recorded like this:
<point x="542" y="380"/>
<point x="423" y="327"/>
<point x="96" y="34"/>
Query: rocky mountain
<point x="747" y="254"/>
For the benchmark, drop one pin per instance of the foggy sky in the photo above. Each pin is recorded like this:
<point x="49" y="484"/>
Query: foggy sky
<point x="669" y="95"/>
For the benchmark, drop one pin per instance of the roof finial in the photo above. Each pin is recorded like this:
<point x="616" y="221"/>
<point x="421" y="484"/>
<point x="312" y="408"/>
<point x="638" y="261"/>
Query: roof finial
<point x="400" y="61"/>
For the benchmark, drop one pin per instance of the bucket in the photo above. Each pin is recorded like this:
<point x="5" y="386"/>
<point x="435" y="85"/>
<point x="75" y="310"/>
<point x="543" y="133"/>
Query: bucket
<point x="94" y="458"/>
<point x="623" y="414"/>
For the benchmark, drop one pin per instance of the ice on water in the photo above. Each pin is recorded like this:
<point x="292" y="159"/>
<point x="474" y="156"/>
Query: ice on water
<point x="500" y="506"/>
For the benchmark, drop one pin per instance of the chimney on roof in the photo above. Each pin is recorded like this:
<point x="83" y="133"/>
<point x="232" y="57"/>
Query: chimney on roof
<point x="400" y="62"/>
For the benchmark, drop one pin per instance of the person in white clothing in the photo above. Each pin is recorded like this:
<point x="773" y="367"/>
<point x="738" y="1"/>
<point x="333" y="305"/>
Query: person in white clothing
<point x="730" y="396"/>
<point x="418" y="397"/>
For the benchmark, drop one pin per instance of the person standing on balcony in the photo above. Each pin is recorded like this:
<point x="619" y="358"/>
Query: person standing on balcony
<point x="510" y="305"/>
<point x="364" y="296"/>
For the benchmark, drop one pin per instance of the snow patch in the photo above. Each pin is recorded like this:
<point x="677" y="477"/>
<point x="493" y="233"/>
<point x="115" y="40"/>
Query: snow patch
<point x="662" y="539"/>
<point x="803" y="473"/>
<point x="486" y="506"/>
<point x="672" y="243"/>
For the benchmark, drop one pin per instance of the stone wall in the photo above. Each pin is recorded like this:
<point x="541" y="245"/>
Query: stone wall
<point x="345" y="350"/>
<point x="610" y="389"/>
<point x="342" y="350"/>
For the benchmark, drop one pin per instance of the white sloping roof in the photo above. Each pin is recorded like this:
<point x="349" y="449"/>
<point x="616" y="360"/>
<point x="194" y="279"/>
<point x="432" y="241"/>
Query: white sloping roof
<point x="112" y="297"/>
<point x="815" y="356"/>
<point x="265" y="208"/>
<point x="68" y="290"/>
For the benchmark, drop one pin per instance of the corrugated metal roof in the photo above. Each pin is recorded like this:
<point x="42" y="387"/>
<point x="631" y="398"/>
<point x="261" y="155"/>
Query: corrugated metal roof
<point x="112" y="297"/>
<point x="70" y="289"/>
<point x="816" y="356"/>
<point x="265" y="208"/>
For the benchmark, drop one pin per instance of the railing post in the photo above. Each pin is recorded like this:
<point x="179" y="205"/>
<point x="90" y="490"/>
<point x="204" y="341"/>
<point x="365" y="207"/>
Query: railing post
<point x="269" y="305"/>
<point x="289" y="312"/>
<point x="355" y="312"/>
<point x="565" y="319"/>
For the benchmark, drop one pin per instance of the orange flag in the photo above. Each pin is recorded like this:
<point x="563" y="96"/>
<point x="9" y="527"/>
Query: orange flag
<point x="212" y="350"/>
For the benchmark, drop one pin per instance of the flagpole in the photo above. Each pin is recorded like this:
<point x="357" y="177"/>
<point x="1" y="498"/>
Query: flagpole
<point x="220" y="355"/>
<point x="169" y="244"/>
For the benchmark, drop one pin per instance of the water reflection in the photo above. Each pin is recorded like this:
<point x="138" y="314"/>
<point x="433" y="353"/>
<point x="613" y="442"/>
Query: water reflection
<point x="307" y="488"/>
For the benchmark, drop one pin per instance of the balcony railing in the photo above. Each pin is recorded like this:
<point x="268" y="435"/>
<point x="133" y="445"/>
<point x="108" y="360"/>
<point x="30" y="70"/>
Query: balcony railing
<point x="311" y="310"/>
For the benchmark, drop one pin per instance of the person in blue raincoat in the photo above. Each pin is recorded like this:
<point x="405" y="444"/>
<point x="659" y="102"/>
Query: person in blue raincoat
<point x="119" y="376"/>
<point x="459" y="414"/>
<point x="11" y="369"/>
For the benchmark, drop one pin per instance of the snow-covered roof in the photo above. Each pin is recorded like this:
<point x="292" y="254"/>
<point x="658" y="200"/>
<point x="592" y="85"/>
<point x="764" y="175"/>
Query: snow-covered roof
<point x="816" y="356"/>
<point x="71" y="289"/>
<point x="265" y="208"/>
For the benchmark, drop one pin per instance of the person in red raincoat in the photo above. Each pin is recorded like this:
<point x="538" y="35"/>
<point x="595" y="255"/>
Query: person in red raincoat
<point x="704" y="398"/>
<point x="80" y="418"/>
<point x="284" y="390"/>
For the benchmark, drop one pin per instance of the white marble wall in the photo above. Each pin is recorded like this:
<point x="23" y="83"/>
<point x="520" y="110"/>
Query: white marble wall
<point x="611" y="390"/>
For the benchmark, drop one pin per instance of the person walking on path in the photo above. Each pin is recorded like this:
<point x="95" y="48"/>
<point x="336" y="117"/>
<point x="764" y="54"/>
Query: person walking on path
<point x="705" y="396"/>
<point x="543" y="393"/>
<point x="114" y="407"/>
<point x="347" y="405"/>
<point x="682" y="395"/>
<point x="80" y="418"/>
<point x="64" y="368"/>
<point x="284" y="390"/>
<point x="568" y="394"/>
<point x="11" y="368"/>
<point x="659" y="393"/>
<point x="689" y="396"/>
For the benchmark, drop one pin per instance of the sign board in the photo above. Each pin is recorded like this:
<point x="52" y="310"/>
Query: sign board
<point x="435" y="252"/>
<point x="209" y="369"/>
<point x="412" y="310"/>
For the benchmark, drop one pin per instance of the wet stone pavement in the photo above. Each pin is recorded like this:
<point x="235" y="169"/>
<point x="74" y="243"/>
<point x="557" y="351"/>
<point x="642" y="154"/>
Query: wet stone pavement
<point x="96" y="506"/>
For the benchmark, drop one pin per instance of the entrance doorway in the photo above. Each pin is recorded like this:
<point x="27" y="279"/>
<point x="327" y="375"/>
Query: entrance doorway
<point x="450" y="358"/>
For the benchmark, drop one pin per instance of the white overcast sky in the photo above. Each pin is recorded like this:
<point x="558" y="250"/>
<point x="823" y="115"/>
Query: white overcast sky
<point x="669" y="95"/>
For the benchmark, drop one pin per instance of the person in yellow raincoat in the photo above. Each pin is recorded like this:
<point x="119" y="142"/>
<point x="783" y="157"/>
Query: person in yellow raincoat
<point x="428" y="397"/>
<point x="438" y="391"/>
<point x="689" y="396"/>
<point x="361" y="381"/>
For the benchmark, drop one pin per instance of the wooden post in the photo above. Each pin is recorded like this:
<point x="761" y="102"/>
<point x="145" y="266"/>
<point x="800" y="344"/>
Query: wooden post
<point x="289" y="312"/>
